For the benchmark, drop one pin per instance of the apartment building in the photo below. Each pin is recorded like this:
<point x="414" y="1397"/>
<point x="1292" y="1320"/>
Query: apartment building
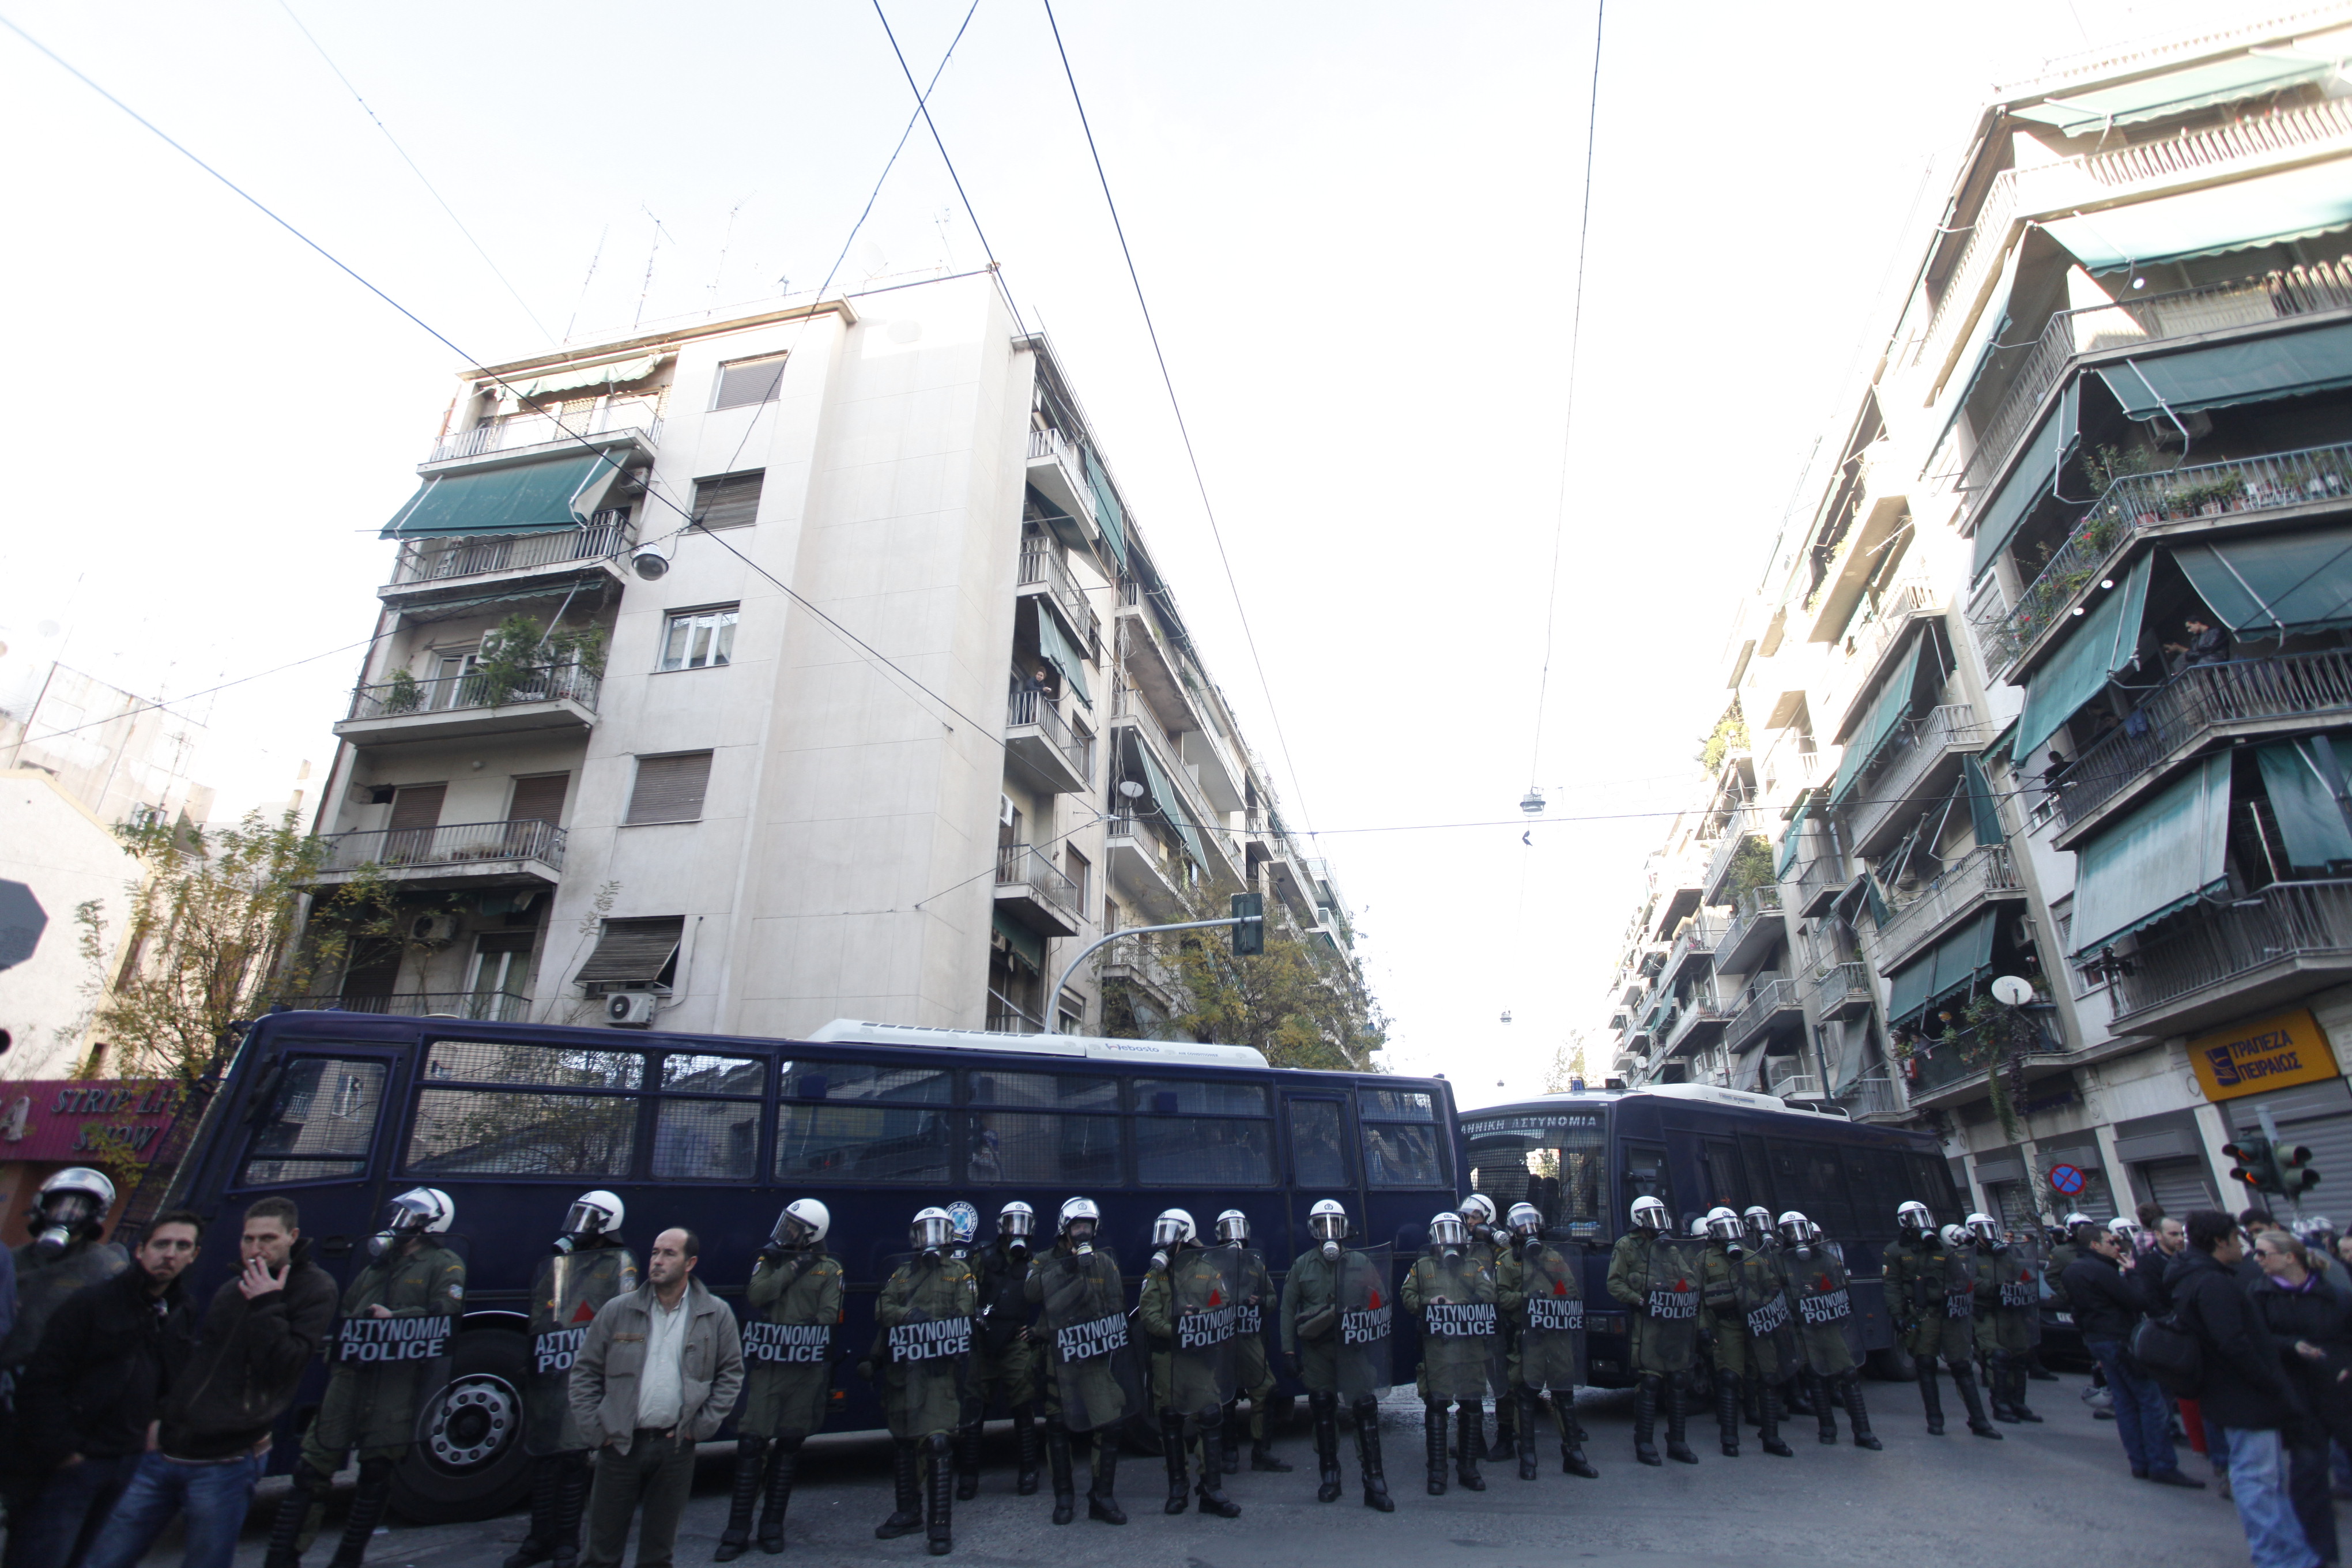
<point x="2051" y="677"/>
<point x="754" y="672"/>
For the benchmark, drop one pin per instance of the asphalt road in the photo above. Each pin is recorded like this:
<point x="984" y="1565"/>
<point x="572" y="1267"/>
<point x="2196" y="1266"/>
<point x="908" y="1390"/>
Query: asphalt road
<point x="2059" y="1493"/>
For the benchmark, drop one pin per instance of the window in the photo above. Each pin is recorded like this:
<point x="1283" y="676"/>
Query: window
<point x="635" y="953"/>
<point x="1401" y="1145"/>
<point x="1052" y="1127"/>
<point x="707" y="1138"/>
<point x="321" y="1115"/>
<point x="1073" y="865"/>
<point x="728" y="501"/>
<point x="669" y="789"/>
<point x="1319" y="1144"/>
<point x="859" y="1122"/>
<point x="1645" y="1176"/>
<point x="588" y="1127"/>
<point x="748" y="381"/>
<point x="1809" y="1176"/>
<point x="699" y="639"/>
<point x="1191" y="1132"/>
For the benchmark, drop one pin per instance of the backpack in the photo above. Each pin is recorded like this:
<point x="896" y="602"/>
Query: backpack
<point x="2168" y="1350"/>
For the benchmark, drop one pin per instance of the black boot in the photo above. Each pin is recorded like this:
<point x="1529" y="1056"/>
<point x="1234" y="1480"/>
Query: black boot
<point x="1727" y="1412"/>
<point x="784" y="1469"/>
<point x="1469" y="1424"/>
<point x="1796" y="1396"/>
<point x="1996" y="1389"/>
<point x="1057" y="1459"/>
<point x="570" y="1502"/>
<point x="945" y="1484"/>
<point x="310" y="1490"/>
<point x="1767" y="1436"/>
<point x="1645" y="1420"/>
<point x="367" y="1512"/>
<point x="1824" y="1412"/>
<point x="1850" y="1388"/>
<point x="751" y="1460"/>
<point x="1678" y="1447"/>
<point x="1172" y="1447"/>
<point x="1523" y="1408"/>
<point x="1213" y="1499"/>
<point x="1102" y="1493"/>
<point x="538" y="1546"/>
<point x="967" y="1461"/>
<point x="1262" y="1446"/>
<point x="1367" y="1457"/>
<point x="908" y="1516"/>
<point x="1024" y="1437"/>
<point x="1229" y="1439"/>
<point x="1931" y="1398"/>
<point x="1324" y="1408"/>
<point x="1506" y="1445"/>
<point x="1573" y="1461"/>
<point x="2017" y="1392"/>
<point x="1433" y="1431"/>
<point x="1965" y="1381"/>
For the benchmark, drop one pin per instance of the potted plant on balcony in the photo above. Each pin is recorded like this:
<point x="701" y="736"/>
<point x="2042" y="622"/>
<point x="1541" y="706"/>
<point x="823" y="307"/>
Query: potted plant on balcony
<point x="404" y="693"/>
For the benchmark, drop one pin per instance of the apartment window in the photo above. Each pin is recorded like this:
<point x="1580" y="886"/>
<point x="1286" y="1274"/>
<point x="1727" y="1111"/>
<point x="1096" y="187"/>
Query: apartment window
<point x="699" y="639"/>
<point x="749" y="380"/>
<point x="728" y="501"/>
<point x="633" y="952"/>
<point x="1074" y="864"/>
<point x="669" y="789"/>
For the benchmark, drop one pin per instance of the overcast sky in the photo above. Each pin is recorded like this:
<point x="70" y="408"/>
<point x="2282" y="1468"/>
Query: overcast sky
<point x="1357" y="225"/>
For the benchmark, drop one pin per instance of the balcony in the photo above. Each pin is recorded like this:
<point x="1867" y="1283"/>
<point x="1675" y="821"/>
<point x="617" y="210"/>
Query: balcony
<point x="1036" y="890"/>
<point x="1815" y="886"/>
<point x="463" y="707"/>
<point x="1756" y="926"/>
<point x="1146" y="862"/>
<point x="1006" y="1016"/>
<point x="1908" y="600"/>
<point x="2287" y="486"/>
<point x="1842" y="991"/>
<point x="1693" y="952"/>
<point x="451" y="568"/>
<point x="2216" y="962"/>
<point x="1129" y="708"/>
<point x="461" y="855"/>
<point x="1696" y="1024"/>
<point x="1043" y="573"/>
<point x="482" y="1006"/>
<point x="2198" y="706"/>
<point x="1051" y="756"/>
<point x="1768" y="1003"/>
<point x="1916" y="770"/>
<point x="1874" y="1096"/>
<point x="1950" y="1068"/>
<point x="613" y="420"/>
<point x="1985" y="873"/>
<point x="1738" y="830"/>
<point x="1058" y="470"/>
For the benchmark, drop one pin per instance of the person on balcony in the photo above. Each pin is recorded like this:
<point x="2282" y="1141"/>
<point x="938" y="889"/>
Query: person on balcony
<point x="2207" y="644"/>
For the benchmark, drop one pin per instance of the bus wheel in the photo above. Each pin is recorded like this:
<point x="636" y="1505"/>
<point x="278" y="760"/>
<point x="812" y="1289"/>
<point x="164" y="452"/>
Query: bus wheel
<point x="468" y="1463"/>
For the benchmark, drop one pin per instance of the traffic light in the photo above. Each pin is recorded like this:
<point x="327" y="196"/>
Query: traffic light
<point x="2257" y="1165"/>
<point x="2295" y="1176"/>
<point x="1249" y="924"/>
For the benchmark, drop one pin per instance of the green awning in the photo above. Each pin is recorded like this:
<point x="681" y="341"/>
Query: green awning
<point x="530" y="498"/>
<point x="1107" y="511"/>
<point x="1171" y="805"/>
<point x="2306" y="783"/>
<point x="1055" y="649"/>
<point x="1022" y="941"/>
<point x="2268" y="209"/>
<point x="2259" y="587"/>
<point x="2047" y="449"/>
<point x="2176" y="93"/>
<point x="1875" y="900"/>
<point x="2288" y="365"/>
<point x="1984" y="817"/>
<point x="1961" y="959"/>
<point x="2106" y="641"/>
<point x="1910" y="984"/>
<point x="2166" y="854"/>
<point x="1887" y="710"/>
<point x="1790" y="839"/>
<point x="612" y="372"/>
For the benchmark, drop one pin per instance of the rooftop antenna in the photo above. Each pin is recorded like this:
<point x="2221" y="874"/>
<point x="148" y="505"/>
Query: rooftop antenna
<point x="724" y="241"/>
<point x="652" y="250"/>
<point x="599" y="255"/>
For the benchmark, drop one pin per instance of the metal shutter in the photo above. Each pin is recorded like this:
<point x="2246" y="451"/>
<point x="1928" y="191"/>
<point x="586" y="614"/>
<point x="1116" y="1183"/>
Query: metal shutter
<point x="2180" y="1186"/>
<point x="539" y="799"/>
<point x="633" y="953"/>
<point x="418" y="806"/>
<point x="750" y="381"/>
<point x="670" y="789"/>
<point x="729" y="500"/>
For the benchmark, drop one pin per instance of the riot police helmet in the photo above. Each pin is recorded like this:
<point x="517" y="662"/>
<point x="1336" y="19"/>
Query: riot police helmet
<point x="1955" y="1235"/>
<point x="1698" y="1224"/>
<point x="1798" y="1228"/>
<point x="74" y="1200"/>
<point x="2125" y="1229"/>
<point x="1174" y="1227"/>
<point x="1446" y="1230"/>
<point x="1913" y="1217"/>
<point x="1328" y="1221"/>
<point x="1650" y="1214"/>
<point x="802" y="1223"/>
<point x="1478" y="1209"/>
<point x="594" y="1215"/>
<point x="964" y="1222"/>
<point x="419" y="1210"/>
<point x="1526" y="1220"/>
<point x="1985" y="1229"/>
<point x="1723" y="1223"/>
<point x="1757" y="1220"/>
<point x="2075" y="1218"/>
<point x="1232" y="1228"/>
<point x="1079" y="1220"/>
<point x="931" y="1229"/>
<point x="1016" y="1220"/>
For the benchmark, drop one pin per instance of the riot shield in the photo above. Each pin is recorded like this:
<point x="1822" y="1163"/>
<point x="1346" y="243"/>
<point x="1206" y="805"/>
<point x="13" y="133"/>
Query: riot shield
<point x="388" y="1375"/>
<point x="1767" y="1313"/>
<point x="1827" y="1331"/>
<point x="1090" y="1351"/>
<point x="1551" y="1328"/>
<point x="569" y="1289"/>
<point x="1461" y="1338"/>
<point x="1365" y="1357"/>
<point x="2030" y="1247"/>
<point x="1205" y="1312"/>
<point x="928" y="1351"/>
<point x="1666" y="1330"/>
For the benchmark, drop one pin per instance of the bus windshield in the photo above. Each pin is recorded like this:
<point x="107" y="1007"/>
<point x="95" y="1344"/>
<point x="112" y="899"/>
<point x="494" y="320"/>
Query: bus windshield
<point x="1556" y="1160"/>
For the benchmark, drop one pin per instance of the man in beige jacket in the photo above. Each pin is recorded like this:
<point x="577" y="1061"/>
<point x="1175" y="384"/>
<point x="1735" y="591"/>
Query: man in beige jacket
<point x="659" y="1371"/>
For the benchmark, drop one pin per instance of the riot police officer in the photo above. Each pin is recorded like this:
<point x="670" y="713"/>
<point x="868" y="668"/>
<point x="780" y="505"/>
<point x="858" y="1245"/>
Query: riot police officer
<point x="1087" y="1373"/>
<point x="1188" y="1382"/>
<point x="1650" y="1274"/>
<point x="587" y="1266"/>
<point x="1453" y="1290"/>
<point x="1743" y="1288"/>
<point x="372" y="1401"/>
<point x="68" y="1216"/>
<point x="1253" y="1375"/>
<point x="1757" y="1221"/>
<point x="1489" y="1240"/>
<point x="925" y="1313"/>
<point x="2008" y="1293"/>
<point x="1539" y="1293"/>
<point x="1004" y="1362"/>
<point x="1818" y="1287"/>
<point x="791" y="1305"/>
<point x="1327" y="1285"/>
<point x="1931" y="1293"/>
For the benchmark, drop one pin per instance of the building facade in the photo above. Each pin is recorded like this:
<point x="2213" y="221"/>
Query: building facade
<point x="2050" y="678"/>
<point x="766" y="671"/>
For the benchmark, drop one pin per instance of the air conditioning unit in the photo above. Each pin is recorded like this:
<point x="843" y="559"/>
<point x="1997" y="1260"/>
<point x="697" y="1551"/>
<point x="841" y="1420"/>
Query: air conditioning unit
<point x="434" y="928"/>
<point x="631" y="1009"/>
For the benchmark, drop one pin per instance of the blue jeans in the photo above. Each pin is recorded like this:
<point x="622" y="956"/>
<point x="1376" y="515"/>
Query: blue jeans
<point x="74" y="1501"/>
<point x="215" y="1499"/>
<point x="2258" y="1481"/>
<point x="2143" y="1416"/>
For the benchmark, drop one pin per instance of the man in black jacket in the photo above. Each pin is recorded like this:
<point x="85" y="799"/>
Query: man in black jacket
<point x="2105" y="1292"/>
<point x="87" y="1392"/>
<point x="213" y="1434"/>
<point x="2244" y="1390"/>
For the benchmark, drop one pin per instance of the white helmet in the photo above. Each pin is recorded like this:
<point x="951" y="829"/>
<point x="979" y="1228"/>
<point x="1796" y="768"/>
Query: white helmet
<point x="1076" y="1212"/>
<point x="1956" y="1235"/>
<point x="1174" y="1227"/>
<point x="1984" y="1227"/>
<point x="592" y="1214"/>
<point x="931" y="1229"/>
<point x="1016" y="1220"/>
<point x="804" y="1223"/>
<point x="1914" y="1215"/>
<point x="1698" y="1224"/>
<point x="1526" y="1219"/>
<point x="1328" y="1221"/>
<point x="1447" y="1229"/>
<point x="1232" y="1227"/>
<point x="419" y="1210"/>
<point x="75" y="1200"/>
<point x="2075" y="1218"/>
<point x="1650" y="1214"/>
<point x="1722" y="1223"/>
<point x="1798" y="1229"/>
<point x="1757" y="1219"/>
<point x="1478" y="1209"/>
<point x="2125" y="1227"/>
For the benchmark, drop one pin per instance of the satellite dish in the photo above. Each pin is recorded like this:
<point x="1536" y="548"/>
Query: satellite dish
<point x="1129" y="788"/>
<point x="2012" y="991"/>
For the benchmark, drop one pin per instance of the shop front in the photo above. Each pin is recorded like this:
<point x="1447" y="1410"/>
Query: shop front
<point x="2285" y="1065"/>
<point x="46" y="1125"/>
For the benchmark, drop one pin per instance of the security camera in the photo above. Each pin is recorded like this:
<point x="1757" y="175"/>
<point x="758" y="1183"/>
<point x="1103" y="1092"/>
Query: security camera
<point x="651" y="559"/>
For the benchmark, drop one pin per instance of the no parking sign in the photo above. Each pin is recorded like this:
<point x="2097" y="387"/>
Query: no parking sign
<point x="2067" y="1179"/>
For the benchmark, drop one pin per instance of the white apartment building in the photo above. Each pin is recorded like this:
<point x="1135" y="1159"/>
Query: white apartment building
<point x="1972" y="727"/>
<point x="845" y="685"/>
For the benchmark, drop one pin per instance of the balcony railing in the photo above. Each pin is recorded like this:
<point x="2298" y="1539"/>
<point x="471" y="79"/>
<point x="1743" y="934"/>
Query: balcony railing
<point x="2140" y="501"/>
<point x="528" y="429"/>
<point x="463" y="843"/>
<point x="2217" y="945"/>
<point x="436" y="560"/>
<point x="1701" y="1008"/>
<point x="1006" y="1016"/>
<point x="1020" y="866"/>
<point x="1755" y="1005"/>
<point x="1822" y="875"/>
<point x="1041" y="561"/>
<point x="1757" y="904"/>
<point x="2177" y="716"/>
<point x="1697" y="940"/>
<point x="453" y="693"/>
<point x="1735" y="830"/>
<point x="1034" y="707"/>
<point x="1986" y="871"/>
<point x="1887" y="792"/>
<point x="1951" y="1059"/>
<point x="482" y="1006"/>
<point x="1873" y="1094"/>
<point x="1839" y="987"/>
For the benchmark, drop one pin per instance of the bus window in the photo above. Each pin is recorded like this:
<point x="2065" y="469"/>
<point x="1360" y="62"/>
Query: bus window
<point x="1050" y="1139"/>
<point x="554" y="1112"/>
<point x="1878" y="1182"/>
<point x="1931" y="1183"/>
<point x="859" y="1122"/>
<point x="707" y="1138"/>
<point x="318" y="1125"/>
<point x="1402" y="1148"/>
<point x="1809" y="1176"/>
<point x="1319" y="1144"/>
<point x="1193" y="1133"/>
<point x="1551" y="1159"/>
<point x="1727" y="1183"/>
<point x="1645" y="1176"/>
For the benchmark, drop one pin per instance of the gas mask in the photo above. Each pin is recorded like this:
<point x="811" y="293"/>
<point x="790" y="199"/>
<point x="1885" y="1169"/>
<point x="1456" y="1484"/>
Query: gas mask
<point x="61" y="1218"/>
<point x="1328" y="1222"/>
<point x="1448" y="1235"/>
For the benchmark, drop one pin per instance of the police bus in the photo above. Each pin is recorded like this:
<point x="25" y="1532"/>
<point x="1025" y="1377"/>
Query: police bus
<point x="1583" y="1157"/>
<point x="342" y="1112"/>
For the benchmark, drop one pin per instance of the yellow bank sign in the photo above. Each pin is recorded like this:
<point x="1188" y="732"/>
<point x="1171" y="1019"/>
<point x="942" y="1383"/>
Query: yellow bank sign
<point x="2261" y="1054"/>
